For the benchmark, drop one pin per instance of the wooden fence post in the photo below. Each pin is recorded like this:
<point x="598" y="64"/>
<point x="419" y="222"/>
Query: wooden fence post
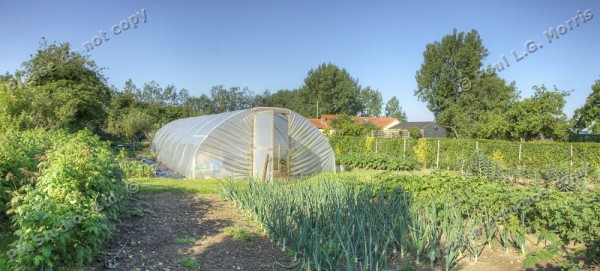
<point x="404" y="151"/>
<point x="437" y="159"/>
<point x="264" y="176"/>
<point x="571" y="155"/>
<point x="520" y="146"/>
<point x="279" y="158"/>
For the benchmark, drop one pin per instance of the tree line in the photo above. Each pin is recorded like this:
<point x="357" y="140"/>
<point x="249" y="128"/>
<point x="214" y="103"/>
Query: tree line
<point x="57" y="89"/>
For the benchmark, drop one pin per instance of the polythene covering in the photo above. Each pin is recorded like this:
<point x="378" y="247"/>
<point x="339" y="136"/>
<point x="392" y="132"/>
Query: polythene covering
<point x="255" y="142"/>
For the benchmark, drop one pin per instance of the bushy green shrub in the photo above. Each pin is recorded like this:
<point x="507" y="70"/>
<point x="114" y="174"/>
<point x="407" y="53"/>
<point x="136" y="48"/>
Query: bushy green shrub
<point x="20" y="154"/>
<point x="65" y="215"/>
<point x="137" y="169"/>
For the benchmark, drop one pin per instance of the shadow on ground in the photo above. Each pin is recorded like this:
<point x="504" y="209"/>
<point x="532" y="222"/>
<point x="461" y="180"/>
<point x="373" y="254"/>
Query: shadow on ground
<point x="182" y="231"/>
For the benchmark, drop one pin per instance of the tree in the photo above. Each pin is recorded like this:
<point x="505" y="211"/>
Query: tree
<point x="587" y="116"/>
<point x="152" y="93"/>
<point x="480" y="112"/>
<point x="329" y="90"/>
<point x="371" y="102"/>
<point x="540" y="116"/>
<point x="393" y="110"/>
<point x="200" y="105"/>
<point x="63" y="90"/>
<point x="230" y="100"/>
<point x="132" y="125"/>
<point x="284" y="98"/>
<point x="462" y="99"/>
<point x="447" y="64"/>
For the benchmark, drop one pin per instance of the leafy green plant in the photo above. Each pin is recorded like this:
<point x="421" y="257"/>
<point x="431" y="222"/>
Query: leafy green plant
<point x="376" y="161"/>
<point x="186" y="240"/>
<point x="241" y="235"/>
<point x="189" y="262"/>
<point x="137" y="169"/>
<point x="64" y="218"/>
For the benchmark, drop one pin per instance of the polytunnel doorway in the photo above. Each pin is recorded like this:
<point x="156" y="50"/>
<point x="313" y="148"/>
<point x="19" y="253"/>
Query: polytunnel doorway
<point x="270" y="143"/>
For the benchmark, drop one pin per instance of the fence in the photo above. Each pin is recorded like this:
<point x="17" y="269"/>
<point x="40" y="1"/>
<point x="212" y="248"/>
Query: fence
<point x="584" y="138"/>
<point x="450" y="153"/>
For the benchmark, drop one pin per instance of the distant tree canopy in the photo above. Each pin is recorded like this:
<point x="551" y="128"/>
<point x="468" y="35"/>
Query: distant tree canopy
<point x="329" y="90"/>
<point x="59" y="89"/>
<point x="371" y="102"/>
<point x="394" y="110"/>
<point x="587" y="116"/>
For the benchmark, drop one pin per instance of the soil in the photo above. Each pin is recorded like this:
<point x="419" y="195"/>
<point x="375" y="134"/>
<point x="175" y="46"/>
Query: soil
<point x="163" y="230"/>
<point x="160" y="230"/>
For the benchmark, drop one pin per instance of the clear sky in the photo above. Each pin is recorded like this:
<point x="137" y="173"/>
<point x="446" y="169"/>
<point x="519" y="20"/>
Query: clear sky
<point x="273" y="44"/>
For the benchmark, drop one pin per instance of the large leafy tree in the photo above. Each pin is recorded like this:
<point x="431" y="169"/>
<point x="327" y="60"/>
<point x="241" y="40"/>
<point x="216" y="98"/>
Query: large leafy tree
<point x="588" y="115"/>
<point x="62" y="90"/>
<point x="329" y="89"/>
<point x="480" y="112"/>
<point x="540" y="116"/>
<point x="446" y="65"/>
<point x="463" y="100"/>
<point x="394" y="110"/>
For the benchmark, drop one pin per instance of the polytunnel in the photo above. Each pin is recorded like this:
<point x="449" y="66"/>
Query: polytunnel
<point x="260" y="142"/>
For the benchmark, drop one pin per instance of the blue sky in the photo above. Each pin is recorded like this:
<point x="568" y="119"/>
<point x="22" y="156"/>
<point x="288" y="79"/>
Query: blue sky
<point x="273" y="44"/>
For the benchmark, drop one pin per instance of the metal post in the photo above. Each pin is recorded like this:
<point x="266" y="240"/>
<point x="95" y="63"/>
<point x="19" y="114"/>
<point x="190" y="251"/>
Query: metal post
<point x="520" y="147"/>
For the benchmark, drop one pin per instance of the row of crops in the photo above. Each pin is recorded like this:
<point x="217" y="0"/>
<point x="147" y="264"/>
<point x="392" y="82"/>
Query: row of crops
<point x="333" y="223"/>
<point x="60" y="193"/>
<point x="453" y="153"/>
<point x="568" y="166"/>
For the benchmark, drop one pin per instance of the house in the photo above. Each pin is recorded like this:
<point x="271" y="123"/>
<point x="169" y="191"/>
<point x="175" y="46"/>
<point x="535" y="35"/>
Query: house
<point x="428" y="128"/>
<point x="383" y="123"/>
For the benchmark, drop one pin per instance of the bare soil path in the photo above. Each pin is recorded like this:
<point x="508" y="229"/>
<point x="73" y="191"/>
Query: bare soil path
<point x="182" y="231"/>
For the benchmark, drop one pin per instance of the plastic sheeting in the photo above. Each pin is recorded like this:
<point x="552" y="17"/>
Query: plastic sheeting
<point x="258" y="142"/>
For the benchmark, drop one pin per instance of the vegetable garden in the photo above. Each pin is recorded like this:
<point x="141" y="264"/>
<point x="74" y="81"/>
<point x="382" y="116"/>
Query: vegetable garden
<point x="538" y="205"/>
<point x="63" y="192"/>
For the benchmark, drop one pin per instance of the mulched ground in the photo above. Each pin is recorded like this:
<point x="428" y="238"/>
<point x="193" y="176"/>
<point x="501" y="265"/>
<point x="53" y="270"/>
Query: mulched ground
<point x="163" y="230"/>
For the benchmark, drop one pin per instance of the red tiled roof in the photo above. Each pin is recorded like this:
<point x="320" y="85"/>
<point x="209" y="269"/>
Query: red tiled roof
<point x="325" y="121"/>
<point x="379" y="122"/>
<point x="318" y="123"/>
